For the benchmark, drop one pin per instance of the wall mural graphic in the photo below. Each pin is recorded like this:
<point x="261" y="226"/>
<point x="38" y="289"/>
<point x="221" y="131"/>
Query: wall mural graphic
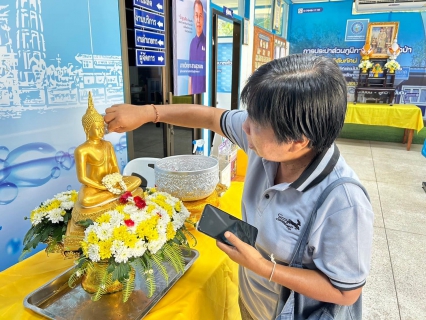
<point x="52" y="53"/>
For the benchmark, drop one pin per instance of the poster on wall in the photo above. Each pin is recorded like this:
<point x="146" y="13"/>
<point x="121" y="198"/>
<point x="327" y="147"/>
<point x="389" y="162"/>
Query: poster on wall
<point x="279" y="47"/>
<point x="45" y="79"/>
<point x="263" y="46"/>
<point x="190" y="25"/>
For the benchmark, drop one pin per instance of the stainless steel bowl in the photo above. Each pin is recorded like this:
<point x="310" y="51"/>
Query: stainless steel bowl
<point x="187" y="177"/>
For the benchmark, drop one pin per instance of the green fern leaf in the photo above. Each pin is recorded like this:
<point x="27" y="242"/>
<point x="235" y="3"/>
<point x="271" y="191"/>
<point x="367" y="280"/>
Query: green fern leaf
<point x="128" y="286"/>
<point x="158" y="261"/>
<point x="150" y="283"/>
<point x="103" y="285"/>
<point x="174" y="256"/>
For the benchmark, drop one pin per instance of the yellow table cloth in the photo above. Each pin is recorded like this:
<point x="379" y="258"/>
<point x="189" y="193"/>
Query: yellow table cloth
<point x="208" y="290"/>
<point x="405" y="116"/>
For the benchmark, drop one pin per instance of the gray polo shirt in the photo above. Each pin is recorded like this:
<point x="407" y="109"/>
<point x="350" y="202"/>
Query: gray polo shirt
<point x="341" y="236"/>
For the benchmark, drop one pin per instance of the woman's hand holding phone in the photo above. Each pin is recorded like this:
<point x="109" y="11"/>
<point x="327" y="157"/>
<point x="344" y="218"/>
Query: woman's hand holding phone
<point x="245" y="255"/>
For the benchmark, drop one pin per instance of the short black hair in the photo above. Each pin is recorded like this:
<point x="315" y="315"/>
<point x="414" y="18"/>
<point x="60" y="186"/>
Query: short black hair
<point x="299" y="96"/>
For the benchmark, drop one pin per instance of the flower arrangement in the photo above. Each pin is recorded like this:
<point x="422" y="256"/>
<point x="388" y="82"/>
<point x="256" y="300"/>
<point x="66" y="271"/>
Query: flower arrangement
<point x="111" y="181"/>
<point x="392" y="65"/>
<point x="365" y="64"/>
<point x="49" y="222"/>
<point x="139" y="234"/>
<point x="377" y="68"/>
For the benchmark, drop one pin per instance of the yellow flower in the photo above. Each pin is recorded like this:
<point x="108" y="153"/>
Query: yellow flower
<point x="130" y="241"/>
<point x="120" y="233"/>
<point x="170" y="232"/>
<point x="177" y="206"/>
<point x="74" y="195"/>
<point x="148" y="229"/>
<point x="150" y="208"/>
<point x="120" y="208"/>
<point x="103" y="218"/>
<point x="53" y="205"/>
<point x="84" y="247"/>
<point x="92" y="238"/>
<point x="105" y="249"/>
<point x="126" y="216"/>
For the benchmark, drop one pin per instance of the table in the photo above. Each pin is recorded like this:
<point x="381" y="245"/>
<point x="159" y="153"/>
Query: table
<point x="208" y="290"/>
<point x="406" y="116"/>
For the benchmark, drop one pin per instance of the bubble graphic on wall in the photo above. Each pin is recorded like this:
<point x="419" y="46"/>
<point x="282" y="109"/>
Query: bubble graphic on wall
<point x="4" y="151"/>
<point x="69" y="187"/>
<point x="65" y="160"/>
<point x="56" y="172"/>
<point x="8" y="193"/>
<point x="4" y="170"/>
<point x="13" y="246"/>
<point x="31" y="164"/>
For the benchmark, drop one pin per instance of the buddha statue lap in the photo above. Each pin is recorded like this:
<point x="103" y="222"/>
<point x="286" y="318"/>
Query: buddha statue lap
<point x="94" y="160"/>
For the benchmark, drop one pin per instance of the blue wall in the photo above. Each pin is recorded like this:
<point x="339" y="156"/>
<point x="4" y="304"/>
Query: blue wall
<point x="52" y="53"/>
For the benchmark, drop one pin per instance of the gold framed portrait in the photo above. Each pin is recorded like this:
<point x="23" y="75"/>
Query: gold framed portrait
<point x="380" y="36"/>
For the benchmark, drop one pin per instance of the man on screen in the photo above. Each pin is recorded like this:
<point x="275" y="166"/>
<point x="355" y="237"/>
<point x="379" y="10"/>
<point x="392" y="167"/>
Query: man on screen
<point x="197" y="51"/>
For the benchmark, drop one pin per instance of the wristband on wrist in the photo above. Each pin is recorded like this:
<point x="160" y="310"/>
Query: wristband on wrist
<point x="156" y="114"/>
<point x="273" y="268"/>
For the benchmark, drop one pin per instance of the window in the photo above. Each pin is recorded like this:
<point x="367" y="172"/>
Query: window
<point x="263" y="13"/>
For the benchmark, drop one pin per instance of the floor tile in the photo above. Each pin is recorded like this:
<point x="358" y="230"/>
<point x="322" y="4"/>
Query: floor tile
<point x="362" y="165"/>
<point x="396" y="151"/>
<point x="408" y="252"/>
<point x="379" y="294"/>
<point x="403" y="207"/>
<point x="359" y="147"/>
<point x="401" y="172"/>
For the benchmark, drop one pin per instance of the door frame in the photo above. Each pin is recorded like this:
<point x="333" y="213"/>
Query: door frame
<point x="236" y="58"/>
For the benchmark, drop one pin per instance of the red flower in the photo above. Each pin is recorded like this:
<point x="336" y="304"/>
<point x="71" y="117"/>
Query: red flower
<point x="139" y="202"/>
<point x="129" y="223"/>
<point x="125" y="197"/>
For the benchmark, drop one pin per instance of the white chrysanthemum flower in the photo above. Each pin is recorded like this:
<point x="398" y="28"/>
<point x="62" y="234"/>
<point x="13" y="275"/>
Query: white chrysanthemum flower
<point x="93" y="252"/>
<point x="154" y="246"/>
<point x="37" y="218"/>
<point x="123" y="256"/>
<point x="90" y="229"/>
<point x="116" y="218"/>
<point x="117" y="246"/>
<point x="55" y="215"/>
<point x="67" y="205"/>
<point x="104" y="231"/>
<point x="139" y="249"/>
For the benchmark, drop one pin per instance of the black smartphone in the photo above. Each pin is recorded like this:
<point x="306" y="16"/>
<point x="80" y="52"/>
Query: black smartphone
<point x="214" y="222"/>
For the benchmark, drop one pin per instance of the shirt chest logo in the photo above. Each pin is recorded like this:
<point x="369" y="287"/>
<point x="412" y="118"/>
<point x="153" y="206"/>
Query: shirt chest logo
<point x="290" y="224"/>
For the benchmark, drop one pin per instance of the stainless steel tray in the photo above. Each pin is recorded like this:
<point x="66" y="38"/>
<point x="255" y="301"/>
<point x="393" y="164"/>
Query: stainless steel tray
<point x="56" y="300"/>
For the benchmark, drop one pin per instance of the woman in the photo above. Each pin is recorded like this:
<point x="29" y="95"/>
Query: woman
<point x="295" y="110"/>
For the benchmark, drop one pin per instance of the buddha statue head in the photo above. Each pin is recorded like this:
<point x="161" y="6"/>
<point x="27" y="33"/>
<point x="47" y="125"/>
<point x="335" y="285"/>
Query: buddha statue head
<point x="92" y="120"/>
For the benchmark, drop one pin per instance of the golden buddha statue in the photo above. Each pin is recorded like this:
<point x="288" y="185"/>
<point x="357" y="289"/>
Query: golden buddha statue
<point x="95" y="159"/>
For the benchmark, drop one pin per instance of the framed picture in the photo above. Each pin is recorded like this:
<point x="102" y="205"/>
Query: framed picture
<point x="380" y="36"/>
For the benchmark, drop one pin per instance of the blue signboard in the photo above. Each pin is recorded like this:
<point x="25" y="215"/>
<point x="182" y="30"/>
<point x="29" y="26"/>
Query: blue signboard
<point x="150" y="58"/>
<point x="146" y="39"/>
<point x="228" y="12"/>
<point x="154" y="5"/>
<point x="149" y="20"/>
